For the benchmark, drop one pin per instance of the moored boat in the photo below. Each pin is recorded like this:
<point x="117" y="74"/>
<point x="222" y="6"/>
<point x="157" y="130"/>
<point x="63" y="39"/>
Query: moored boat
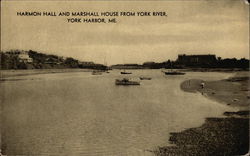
<point x="145" y="78"/>
<point x="174" y="73"/>
<point x="96" y="73"/>
<point x="126" y="72"/>
<point x="126" y="81"/>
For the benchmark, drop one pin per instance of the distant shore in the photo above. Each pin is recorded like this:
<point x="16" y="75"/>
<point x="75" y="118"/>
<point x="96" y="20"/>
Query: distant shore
<point x="227" y="135"/>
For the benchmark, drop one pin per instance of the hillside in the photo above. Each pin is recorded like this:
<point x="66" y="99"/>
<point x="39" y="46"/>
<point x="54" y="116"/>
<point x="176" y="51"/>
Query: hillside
<point x="19" y="59"/>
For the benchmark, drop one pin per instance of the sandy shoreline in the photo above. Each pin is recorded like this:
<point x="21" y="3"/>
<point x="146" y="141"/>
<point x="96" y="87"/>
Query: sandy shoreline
<point x="233" y="91"/>
<point x="228" y="135"/>
<point x="12" y="73"/>
<point x="217" y="136"/>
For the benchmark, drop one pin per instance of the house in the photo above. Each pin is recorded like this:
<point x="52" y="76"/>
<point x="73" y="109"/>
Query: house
<point x="24" y="57"/>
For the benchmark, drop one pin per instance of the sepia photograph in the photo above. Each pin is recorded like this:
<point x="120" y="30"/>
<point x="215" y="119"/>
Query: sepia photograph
<point x="124" y="78"/>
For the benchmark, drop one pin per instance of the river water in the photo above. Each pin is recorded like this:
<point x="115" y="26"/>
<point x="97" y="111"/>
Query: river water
<point x="83" y="114"/>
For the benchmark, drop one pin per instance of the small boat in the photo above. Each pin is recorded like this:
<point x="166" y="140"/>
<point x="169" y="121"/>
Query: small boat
<point x="174" y="73"/>
<point x="96" y="73"/>
<point x="125" y="81"/>
<point x="145" y="78"/>
<point x="126" y="72"/>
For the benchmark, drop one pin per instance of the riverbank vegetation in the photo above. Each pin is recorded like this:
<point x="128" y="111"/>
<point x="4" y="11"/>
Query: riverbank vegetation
<point x="19" y="59"/>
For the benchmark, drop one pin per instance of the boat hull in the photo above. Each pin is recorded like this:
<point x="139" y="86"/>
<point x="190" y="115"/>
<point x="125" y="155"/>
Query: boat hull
<point x="125" y="73"/>
<point x="174" y="73"/>
<point x="126" y="83"/>
<point x="96" y="73"/>
<point x="145" y="78"/>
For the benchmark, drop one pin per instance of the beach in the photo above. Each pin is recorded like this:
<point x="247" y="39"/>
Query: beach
<point x="233" y="91"/>
<point x="228" y="135"/>
<point x="14" y="73"/>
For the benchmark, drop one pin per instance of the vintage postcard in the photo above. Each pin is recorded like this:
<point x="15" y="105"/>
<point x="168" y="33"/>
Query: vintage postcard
<point x="124" y="78"/>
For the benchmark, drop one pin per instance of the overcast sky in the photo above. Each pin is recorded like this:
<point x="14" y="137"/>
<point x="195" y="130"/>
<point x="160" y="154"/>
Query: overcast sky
<point x="218" y="27"/>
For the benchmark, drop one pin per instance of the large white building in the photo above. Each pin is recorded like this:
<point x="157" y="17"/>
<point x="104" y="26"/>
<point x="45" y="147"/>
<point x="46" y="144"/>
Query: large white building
<point x="24" y="57"/>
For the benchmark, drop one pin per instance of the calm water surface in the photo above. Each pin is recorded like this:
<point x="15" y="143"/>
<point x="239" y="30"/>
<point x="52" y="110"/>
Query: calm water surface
<point x="84" y="114"/>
